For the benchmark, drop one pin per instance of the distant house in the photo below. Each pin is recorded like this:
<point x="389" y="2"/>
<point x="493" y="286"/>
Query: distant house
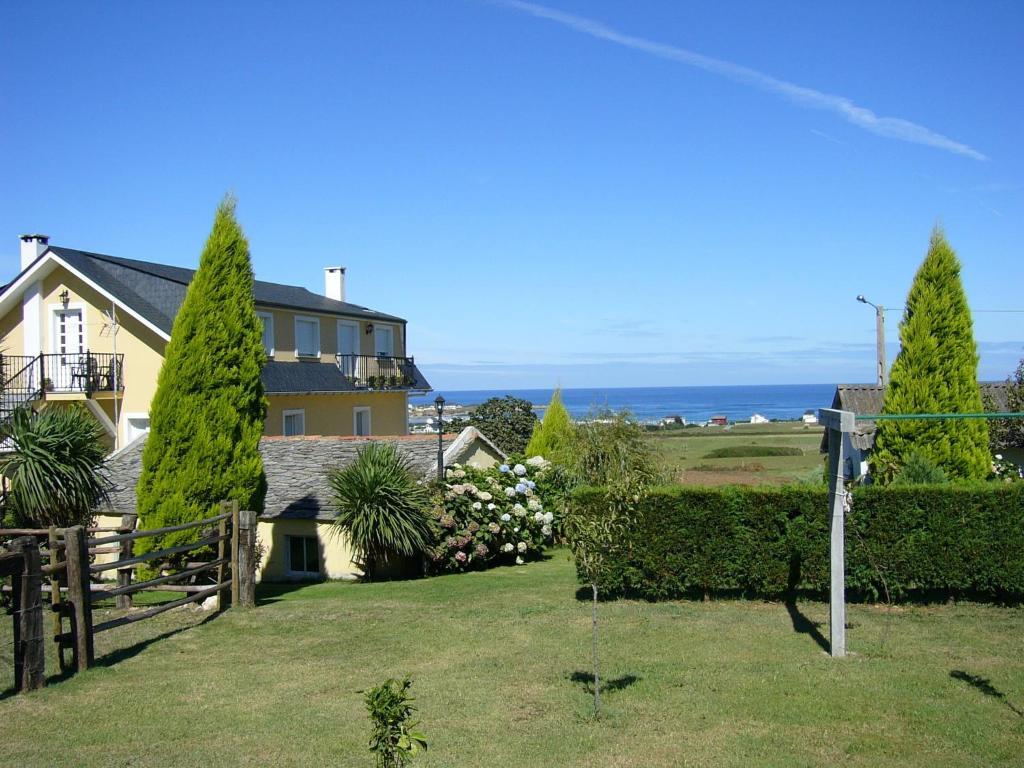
<point x="296" y="530"/>
<point x="719" y="421"/>
<point x="809" y="417"/>
<point x="866" y="399"/>
<point x="757" y="418"/>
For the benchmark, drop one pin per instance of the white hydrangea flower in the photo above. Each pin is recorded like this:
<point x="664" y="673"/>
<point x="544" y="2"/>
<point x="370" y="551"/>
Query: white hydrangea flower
<point x="538" y="461"/>
<point x="533" y="504"/>
<point x="506" y="517"/>
<point x="510" y="492"/>
<point x="484" y="496"/>
<point x="548" y="517"/>
<point x="519" y="560"/>
<point x="491" y="507"/>
<point x="477" y="505"/>
<point x="521" y="546"/>
<point x="519" y="510"/>
<point x="538" y="516"/>
<point x="546" y="530"/>
<point x="507" y="548"/>
<point x="516" y="529"/>
<point x="519" y="469"/>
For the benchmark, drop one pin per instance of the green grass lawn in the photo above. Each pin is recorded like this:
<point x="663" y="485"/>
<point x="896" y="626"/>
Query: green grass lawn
<point x="682" y="455"/>
<point x="499" y="661"/>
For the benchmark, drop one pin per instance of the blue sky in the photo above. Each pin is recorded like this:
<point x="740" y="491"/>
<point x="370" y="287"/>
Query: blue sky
<point x="584" y="193"/>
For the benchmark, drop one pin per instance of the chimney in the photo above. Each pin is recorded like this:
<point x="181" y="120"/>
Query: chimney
<point x="32" y="247"/>
<point x="334" y="283"/>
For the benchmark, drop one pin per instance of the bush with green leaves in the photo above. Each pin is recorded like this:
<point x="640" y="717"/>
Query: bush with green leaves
<point x="552" y="438"/>
<point x="752" y="451"/>
<point x="394" y="740"/>
<point x="485" y="517"/>
<point x="54" y="467"/>
<point x="508" y="421"/>
<point x="919" y="470"/>
<point x="1008" y="433"/>
<point x="610" y="448"/>
<point x="912" y="541"/>
<point x="383" y="508"/>
<point x="936" y="371"/>
<point x="208" y="411"/>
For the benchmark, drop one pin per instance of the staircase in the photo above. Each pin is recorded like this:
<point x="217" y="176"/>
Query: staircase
<point x="19" y="383"/>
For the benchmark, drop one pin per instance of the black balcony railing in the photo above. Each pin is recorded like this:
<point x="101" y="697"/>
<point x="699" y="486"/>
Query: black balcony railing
<point x="378" y="372"/>
<point x="24" y="378"/>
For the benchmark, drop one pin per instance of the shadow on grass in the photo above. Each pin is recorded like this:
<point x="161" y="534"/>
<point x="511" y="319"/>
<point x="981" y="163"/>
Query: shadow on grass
<point x="273" y="592"/>
<point x="984" y="685"/>
<point x="805" y="626"/>
<point x="586" y="679"/>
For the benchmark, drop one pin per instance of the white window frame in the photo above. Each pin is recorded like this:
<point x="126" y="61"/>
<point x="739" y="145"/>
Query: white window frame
<point x="284" y="421"/>
<point x="355" y="420"/>
<point x="349" y="324"/>
<point x="307" y="319"/>
<point x="134" y="416"/>
<point x="394" y="333"/>
<point x="54" y="309"/>
<point x="288" y="542"/>
<point x="268" y="316"/>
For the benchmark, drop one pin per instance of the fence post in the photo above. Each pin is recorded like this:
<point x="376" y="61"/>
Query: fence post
<point x="76" y="549"/>
<point x="234" y="551"/>
<point x="29" y="652"/>
<point x="56" y="603"/>
<point x="245" y="556"/>
<point x="222" y="554"/>
<point x="124" y="575"/>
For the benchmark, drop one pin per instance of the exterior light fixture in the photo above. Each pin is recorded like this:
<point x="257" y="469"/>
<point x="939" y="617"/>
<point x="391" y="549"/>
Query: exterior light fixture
<point x="439" y="408"/>
<point x="65" y="297"/>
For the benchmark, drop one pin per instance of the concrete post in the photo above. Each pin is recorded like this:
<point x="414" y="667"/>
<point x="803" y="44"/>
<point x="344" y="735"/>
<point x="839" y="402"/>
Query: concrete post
<point x="838" y="423"/>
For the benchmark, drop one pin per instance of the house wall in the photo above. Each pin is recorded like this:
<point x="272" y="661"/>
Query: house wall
<point x="331" y="414"/>
<point x="284" y="334"/>
<point x="335" y="551"/>
<point x="478" y="455"/>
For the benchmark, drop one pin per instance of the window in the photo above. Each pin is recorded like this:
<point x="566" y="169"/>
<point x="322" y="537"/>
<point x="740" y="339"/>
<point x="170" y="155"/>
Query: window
<point x="307" y="336"/>
<point x="268" y="332"/>
<point x="303" y="554"/>
<point x="384" y="340"/>
<point x="294" y="423"/>
<point x="348" y="338"/>
<point x="137" y="424"/>
<point x="361" y="421"/>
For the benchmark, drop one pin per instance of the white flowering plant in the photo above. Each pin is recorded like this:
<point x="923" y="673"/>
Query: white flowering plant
<point x="1005" y="470"/>
<point x="485" y="517"/>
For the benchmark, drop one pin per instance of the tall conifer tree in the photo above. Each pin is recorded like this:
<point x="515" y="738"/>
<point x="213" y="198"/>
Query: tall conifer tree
<point x="552" y="437"/>
<point x="936" y="371"/>
<point x="208" y="411"/>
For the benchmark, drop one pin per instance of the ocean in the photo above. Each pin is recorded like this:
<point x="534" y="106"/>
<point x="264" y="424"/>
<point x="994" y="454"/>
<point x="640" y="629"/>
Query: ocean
<point x="649" y="404"/>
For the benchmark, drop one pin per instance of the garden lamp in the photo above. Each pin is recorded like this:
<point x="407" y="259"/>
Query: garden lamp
<point x="439" y="407"/>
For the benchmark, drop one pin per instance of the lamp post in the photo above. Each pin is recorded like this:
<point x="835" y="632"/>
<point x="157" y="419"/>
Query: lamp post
<point x="439" y="407"/>
<point x="879" y="337"/>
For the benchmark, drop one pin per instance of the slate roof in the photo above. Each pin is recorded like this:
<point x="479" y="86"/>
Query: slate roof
<point x="296" y="469"/>
<point x="867" y="399"/>
<point x="156" y="291"/>
<point x="301" y="378"/>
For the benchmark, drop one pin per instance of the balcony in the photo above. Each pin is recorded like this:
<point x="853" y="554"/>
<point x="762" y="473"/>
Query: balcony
<point x="24" y="378"/>
<point x="381" y="372"/>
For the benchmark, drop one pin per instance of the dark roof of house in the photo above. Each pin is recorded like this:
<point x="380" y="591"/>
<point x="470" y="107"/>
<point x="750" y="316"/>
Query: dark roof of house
<point x="281" y="378"/>
<point x="156" y="291"/>
<point x="295" y="467"/>
<point x="865" y="399"/>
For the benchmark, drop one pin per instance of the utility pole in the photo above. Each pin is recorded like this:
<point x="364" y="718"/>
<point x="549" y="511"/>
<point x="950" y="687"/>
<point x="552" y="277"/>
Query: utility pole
<point x="879" y="339"/>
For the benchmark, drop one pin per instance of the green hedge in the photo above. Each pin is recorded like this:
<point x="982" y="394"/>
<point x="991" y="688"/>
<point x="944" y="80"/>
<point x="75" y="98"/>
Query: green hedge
<point x="752" y="451"/>
<point x="913" y="542"/>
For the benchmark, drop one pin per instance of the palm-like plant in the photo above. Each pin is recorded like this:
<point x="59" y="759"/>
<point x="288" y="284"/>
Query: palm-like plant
<point x="54" y="469"/>
<point x="381" y="506"/>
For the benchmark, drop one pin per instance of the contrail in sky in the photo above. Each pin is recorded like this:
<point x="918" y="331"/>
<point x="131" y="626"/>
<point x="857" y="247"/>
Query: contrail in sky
<point x="890" y="127"/>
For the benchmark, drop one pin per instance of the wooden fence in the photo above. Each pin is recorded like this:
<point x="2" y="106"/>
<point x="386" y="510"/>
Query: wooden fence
<point x="71" y="567"/>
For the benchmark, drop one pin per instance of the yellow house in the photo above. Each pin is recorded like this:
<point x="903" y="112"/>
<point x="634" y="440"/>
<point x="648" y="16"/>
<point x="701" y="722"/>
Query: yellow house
<point x="80" y="326"/>
<point x="296" y="536"/>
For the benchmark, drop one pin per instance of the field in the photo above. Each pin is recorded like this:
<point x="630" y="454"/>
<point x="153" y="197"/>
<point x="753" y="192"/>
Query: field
<point x="682" y="454"/>
<point x="500" y="663"/>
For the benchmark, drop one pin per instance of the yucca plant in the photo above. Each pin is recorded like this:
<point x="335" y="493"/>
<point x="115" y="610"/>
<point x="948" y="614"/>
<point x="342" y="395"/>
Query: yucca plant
<point x="54" y="469"/>
<point x="381" y="507"/>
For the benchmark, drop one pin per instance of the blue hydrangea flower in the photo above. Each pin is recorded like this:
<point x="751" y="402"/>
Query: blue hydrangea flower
<point x="520" y="487"/>
<point x="504" y="468"/>
<point x="531" y="485"/>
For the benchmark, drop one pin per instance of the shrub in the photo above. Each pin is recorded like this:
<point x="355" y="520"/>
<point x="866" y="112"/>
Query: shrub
<point x="508" y="421"/>
<point x="208" y="410"/>
<point x="1008" y="433"/>
<point x="381" y="507"/>
<point x="936" y="371"/>
<point x="54" y="468"/>
<point x="485" y="517"/>
<point x="751" y="451"/>
<point x="552" y="437"/>
<point x="772" y="541"/>
<point x="608" y="449"/>
<point x="919" y="470"/>
<point x="393" y="740"/>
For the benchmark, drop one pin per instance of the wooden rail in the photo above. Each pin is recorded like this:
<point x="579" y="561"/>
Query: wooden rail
<point x="69" y="575"/>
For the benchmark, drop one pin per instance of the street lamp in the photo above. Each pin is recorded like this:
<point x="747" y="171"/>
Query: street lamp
<point x="439" y="407"/>
<point x="879" y="337"/>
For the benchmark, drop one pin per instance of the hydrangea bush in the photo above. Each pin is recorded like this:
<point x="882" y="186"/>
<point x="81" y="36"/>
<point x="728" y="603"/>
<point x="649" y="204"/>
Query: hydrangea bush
<point x="487" y="517"/>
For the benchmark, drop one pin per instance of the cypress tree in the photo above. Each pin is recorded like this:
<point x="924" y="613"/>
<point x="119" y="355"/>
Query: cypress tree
<point x="936" y="371"/>
<point x="552" y="437"/>
<point x="208" y="411"/>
